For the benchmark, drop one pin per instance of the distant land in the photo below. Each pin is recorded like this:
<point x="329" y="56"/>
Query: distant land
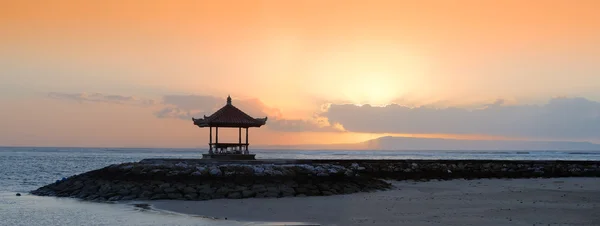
<point x="411" y="143"/>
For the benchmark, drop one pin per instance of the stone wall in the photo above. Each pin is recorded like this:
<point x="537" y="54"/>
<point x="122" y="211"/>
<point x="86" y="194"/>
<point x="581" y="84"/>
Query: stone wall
<point x="202" y="180"/>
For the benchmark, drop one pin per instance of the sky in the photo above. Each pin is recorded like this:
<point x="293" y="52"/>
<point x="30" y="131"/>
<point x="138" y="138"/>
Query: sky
<point x="133" y="73"/>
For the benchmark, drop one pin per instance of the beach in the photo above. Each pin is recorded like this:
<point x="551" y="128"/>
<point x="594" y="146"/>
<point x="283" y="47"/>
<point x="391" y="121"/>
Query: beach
<point x="552" y="201"/>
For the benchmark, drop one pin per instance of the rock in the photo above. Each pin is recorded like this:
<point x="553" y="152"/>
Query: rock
<point x="273" y="188"/>
<point x="234" y="195"/>
<point x="223" y="191"/>
<point x="174" y="195"/>
<point x="181" y="164"/>
<point x="179" y="186"/>
<point x="301" y="190"/>
<point x="248" y="193"/>
<point x="190" y="196"/>
<point x="92" y="197"/>
<point x="202" y="196"/>
<point x="239" y="188"/>
<point x="218" y="195"/>
<point x="215" y="172"/>
<point x="129" y="197"/>
<point x="114" y="198"/>
<point x="258" y="171"/>
<point x="18" y="194"/>
<point x="164" y="185"/>
<point x="197" y="173"/>
<point x="287" y="191"/>
<point x="288" y="194"/>
<point x="174" y="173"/>
<point x="327" y="193"/>
<point x="261" y="195"/>
<point x="351" y="188"/>
<point x="104" y="188"/>
<point x="336" y="187"/>
<point x="77" y="185"/>
<point x="145" y="195"/>
<point x="99" y="199"/>
<point x="258" y="188"/>
<point x="206" y="190"/>
<point x="313" y="192"/>
<point x="189" y="190"/>
<point x="123" y="192"/>
<point x="271" y="194"/>
<point x="159" y="196"/>
<point x="291" y="184"/>
<point x="170" y="190"/>
<point x="323" y="187"/>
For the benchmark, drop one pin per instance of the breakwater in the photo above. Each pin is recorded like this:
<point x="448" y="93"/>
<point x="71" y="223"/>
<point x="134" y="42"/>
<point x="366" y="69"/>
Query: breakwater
<point x="186" y="179"/>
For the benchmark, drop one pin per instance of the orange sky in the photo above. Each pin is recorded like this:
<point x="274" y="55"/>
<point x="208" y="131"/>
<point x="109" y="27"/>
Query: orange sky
<point x="294" y="56"/>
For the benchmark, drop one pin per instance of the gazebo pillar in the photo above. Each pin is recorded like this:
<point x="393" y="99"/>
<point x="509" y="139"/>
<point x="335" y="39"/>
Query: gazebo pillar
<point x="246" y="140"/>
<point x="240" y="137"/>
<point x="210" y="147"/>
<point x="217" y="137"/>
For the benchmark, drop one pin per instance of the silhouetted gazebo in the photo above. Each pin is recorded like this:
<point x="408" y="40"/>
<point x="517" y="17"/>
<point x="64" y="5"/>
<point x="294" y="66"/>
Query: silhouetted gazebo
<point x="228" y="116"/>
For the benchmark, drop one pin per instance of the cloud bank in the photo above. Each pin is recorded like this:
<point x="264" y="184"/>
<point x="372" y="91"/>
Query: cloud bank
<point x="187" y="106"/>
<point x="560" y="118"/>
<point x="101" y="98"/>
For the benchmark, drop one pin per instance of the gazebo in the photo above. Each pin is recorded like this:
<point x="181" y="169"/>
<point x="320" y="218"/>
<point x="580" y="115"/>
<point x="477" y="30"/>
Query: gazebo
<point x="228" y="116"/>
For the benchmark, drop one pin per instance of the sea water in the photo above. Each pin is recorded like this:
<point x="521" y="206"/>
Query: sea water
<point x="23" y="169"/>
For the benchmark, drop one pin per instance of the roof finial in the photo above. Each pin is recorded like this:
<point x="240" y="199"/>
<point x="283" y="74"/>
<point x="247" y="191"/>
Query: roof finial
<point x="228" y="100"/>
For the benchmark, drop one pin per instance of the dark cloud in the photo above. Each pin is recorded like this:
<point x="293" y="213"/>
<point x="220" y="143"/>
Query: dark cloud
<point x="173" y="112"/>
<point x="301" y="126"/>
<point x="559" y="118"/>
<point x="99" y="97"/>
<point x="187" y="106"/>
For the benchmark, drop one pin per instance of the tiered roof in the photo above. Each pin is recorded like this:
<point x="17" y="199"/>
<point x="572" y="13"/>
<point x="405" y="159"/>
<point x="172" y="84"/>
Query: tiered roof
<point x="229" y="116"/>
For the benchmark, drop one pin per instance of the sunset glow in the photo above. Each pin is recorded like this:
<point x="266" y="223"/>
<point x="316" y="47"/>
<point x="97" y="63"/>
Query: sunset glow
<point x="152" y="65"/>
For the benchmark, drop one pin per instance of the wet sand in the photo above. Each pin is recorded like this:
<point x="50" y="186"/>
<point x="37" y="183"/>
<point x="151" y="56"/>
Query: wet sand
<point x="554" y="201"/>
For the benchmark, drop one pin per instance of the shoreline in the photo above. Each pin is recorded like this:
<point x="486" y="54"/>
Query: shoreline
<point x="199" y="179"/>
<point x="534" y="201"/>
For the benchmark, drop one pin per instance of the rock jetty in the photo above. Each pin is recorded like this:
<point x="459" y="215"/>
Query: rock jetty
<point x="181" y="179"/>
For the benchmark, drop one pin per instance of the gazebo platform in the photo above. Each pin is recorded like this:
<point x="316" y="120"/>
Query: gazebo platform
<point x="229" y="156"/>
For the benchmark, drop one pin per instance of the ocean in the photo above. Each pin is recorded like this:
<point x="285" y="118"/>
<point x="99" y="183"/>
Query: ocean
<point x="23" y="169"/>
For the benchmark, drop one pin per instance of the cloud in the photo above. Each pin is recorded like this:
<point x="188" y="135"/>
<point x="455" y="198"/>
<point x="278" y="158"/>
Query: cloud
<point x="173" y="112"/>
<point x="101" y="98"/>
<point x="187" y="106"/>
<point x="559" y="118"/>
<point x="297" y="125"/>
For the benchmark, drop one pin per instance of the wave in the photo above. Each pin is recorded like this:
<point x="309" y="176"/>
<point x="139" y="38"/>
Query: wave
<point x="584" y="153"/>
<point x="492" y="152"/>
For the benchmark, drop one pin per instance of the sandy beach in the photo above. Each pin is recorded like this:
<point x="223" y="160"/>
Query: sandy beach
<point x="554" y="201"/>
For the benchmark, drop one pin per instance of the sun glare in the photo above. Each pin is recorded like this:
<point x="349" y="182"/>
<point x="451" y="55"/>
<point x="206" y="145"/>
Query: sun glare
<point x="374" y="89"/>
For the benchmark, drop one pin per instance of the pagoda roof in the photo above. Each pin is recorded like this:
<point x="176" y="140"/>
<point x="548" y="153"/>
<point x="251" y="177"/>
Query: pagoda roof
<point x="229" y="116"/>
